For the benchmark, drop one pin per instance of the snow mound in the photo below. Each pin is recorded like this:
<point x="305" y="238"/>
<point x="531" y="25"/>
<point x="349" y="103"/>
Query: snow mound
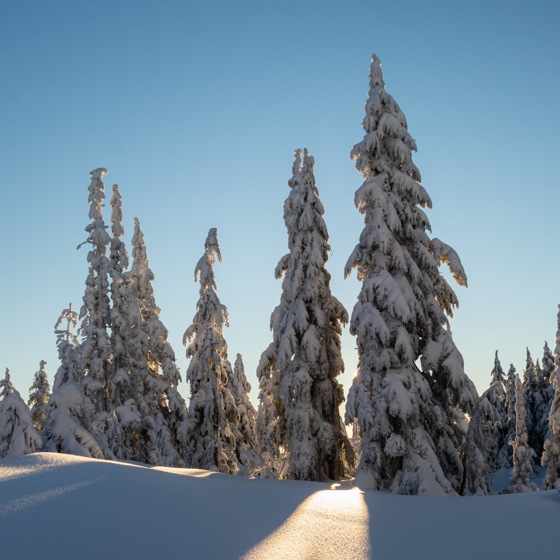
<point x="56" y="506"/>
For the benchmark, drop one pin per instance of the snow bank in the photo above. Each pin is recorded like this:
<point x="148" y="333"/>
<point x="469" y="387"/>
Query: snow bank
<point x="56" y="506"/>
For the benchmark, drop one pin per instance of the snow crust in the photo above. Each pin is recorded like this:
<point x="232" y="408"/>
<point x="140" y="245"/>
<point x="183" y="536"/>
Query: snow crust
<point x="90" y="509"/>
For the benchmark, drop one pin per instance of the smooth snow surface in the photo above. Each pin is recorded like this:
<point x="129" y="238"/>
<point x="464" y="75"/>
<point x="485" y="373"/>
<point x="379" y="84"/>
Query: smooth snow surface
<point x="58" y="507"/>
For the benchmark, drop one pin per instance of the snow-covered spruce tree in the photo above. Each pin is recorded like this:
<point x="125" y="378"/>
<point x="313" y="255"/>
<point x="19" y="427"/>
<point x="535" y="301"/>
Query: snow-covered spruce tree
<point x="207" y="433"/>
<point x="522" y="453"/>
<point x="64" y="427"/>
<point x="504" y="458"/>
<point x="481" y="440"/>
<point x="245" y="433"/>
<point x="39" y="396"/>
<point x="551" y="455"/>
<point x="153" y="370"/>
<point x="498" y="376"/>
<point x="536" y="406"/>
<point x="95" y="312"/>
<point x="18" y="436"/>
<point x="70" y="354"/>
<point x="119" y="383"/>
<point x="412" y="422"/>
<point x="304" y="358"/>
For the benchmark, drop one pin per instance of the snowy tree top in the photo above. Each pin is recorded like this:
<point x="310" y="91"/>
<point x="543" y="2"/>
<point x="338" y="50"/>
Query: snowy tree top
<point x="375" y="73"/>
<point x="204" y="267"/>
<point x="116" y="214"/>
<point x="6" y="387"/>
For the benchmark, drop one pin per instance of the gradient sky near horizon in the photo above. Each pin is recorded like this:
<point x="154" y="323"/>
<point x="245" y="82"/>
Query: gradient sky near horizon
<point x="195" y="109"/>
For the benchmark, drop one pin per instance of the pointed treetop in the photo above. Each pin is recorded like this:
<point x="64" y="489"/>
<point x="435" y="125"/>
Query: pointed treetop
<point x="6" y="387"/>
<point x="308" y="161"/>
<point x="116" y="214"/>
<point x="497" y="373"/>
<point x="375" y="73"/>
<point x="296" y="167"/>
<point x="204" y="266"/>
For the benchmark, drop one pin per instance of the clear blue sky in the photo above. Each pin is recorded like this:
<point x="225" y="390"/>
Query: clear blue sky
<point x="195" y="109"/>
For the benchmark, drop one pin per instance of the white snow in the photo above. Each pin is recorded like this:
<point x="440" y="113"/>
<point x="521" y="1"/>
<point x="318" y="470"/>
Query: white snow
<point x="59" y="507"/>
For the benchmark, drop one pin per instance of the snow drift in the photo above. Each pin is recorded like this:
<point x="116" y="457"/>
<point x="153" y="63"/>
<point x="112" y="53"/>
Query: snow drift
<point x="56" y="506"/>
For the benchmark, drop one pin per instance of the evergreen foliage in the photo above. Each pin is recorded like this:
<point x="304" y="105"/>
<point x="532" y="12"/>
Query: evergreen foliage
<point x="412" y="422"/>
<point x="504" y="458"/>
<point x="207" y="432"/>
<point x="18" y="436"/>
<point x="300" y="395"/>
<point x="95" y="313"/>
<point x="481" y="440"/>
<point x="66" y="424"/>
<point x="522" y="453"/>
<point x="39" y="396"/>
<point x="70" y="354"/>
<point x="551" y="455"/>
<point x="154" y="374"/>
<point x="245" y="432"/>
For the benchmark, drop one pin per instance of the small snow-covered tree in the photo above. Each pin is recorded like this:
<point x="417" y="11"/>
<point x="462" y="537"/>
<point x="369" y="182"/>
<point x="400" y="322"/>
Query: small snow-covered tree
<point x="245" y="432"/>
<point x="551" y="455"/>
<point x="64" y="427"/>
<point x="302" y="363"/>
<point x="71" y="358"/>
<point x="522" y="453"/>
<point x="481" y="440"/>
<point x="95" y="312"/>
<point x="505" y="454"/>
<point x="39" y="396"/>
<point x="498" y="376"/>
<point x="207" y="433"/>
<point x="412" y="422"/>
<point x="536" y="404"/>
<point x="18" y="436"/>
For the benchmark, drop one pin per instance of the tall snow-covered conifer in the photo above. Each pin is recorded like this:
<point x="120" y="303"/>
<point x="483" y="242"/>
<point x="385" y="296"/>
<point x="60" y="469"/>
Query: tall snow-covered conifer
<point x="303" y="362"/>
<point x="522" y="453"/>
<point x="412" y="421"/>
<point x="95" y="312"/>
<point x="39" y="396"/>
<point x="207" y="431"/>
<point x="154" y="373"/>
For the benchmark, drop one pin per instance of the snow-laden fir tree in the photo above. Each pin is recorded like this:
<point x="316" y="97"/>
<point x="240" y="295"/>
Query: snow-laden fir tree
<point x="551" y="455"/>
<point x="481" y="440"/>
<point x="412" y="422"/>
<point x="95" y="311"/>
<point x="70" y="354"/>
<point x="536" y="404"/>
<point x="18" y="436"/>
<point x="64" y="427"/>
<point x="39" y="396"/>
<point x="522" y="453"/>
<point x="547" y="365"/>
<point x="302" y="363"/>
<point x="119" y="387"/>
<point x="207" y="432"/>
<point x="154" y="373"/>
<point x="504" y="458"/>
<point x="499" y="377"/>
<point x="245" y="433"/>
